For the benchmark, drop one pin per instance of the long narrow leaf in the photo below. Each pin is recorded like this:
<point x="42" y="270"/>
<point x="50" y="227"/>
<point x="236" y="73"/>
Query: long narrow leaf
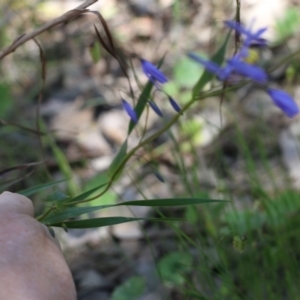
<point x="141" y="104"/>
<point x="71" y="212"/>
<point x="101" y="222"/>
<point x="107" y="31"/>
<point x="38" y="188"/>
<point x="169" y="202"/>
<point x="115" y="165"/>
<point x="143" y="100"/>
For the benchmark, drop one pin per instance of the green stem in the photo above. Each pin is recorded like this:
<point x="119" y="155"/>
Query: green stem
<point x="45" y="214"/>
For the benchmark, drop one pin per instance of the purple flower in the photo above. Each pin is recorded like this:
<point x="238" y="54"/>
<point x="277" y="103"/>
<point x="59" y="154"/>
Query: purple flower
<point x="259" y="43"/>
<point x="130" y="111"/>
<point x="284" y="101"/>
<point x="153" y="73"/>
<point x="155" y="108"/>
<point x="250" y="37"/>
<point x="225" y="73"/>
<point x="174" y="104"/>
<point x="208" y="65"/>
<point x="253" y="72"/>
<point x="234" y="65"/>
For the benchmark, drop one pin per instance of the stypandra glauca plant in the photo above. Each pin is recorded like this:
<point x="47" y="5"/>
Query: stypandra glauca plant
<point x="233" y="72"/>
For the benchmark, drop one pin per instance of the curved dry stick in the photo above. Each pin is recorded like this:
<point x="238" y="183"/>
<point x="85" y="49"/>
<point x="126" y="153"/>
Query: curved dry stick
<point x="65" y="17"/>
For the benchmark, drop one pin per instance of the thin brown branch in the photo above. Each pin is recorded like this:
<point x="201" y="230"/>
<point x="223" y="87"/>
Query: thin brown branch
<point x="64" y="18"/>
<point x="20" y="167"/>
<point x="238" y="20"/>
<point x="3" y="122"/>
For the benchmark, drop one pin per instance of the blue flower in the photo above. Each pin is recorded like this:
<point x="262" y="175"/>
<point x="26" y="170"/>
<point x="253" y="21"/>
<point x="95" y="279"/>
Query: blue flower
<point x="250" y="37"/>
<point x="234" y="65"/>
<point x="130" y="111"/>
<point x="242" y="68"/>
<point x="174" y="104"/>
<point x="209" y="65"/>
<point x="155" y="108"/>
<point x="153" y="73"/>
<point x="259" y="43"/>
<point x="284" y="101"/>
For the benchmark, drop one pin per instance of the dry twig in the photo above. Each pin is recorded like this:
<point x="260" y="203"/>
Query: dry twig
<point x="64" y="18"/>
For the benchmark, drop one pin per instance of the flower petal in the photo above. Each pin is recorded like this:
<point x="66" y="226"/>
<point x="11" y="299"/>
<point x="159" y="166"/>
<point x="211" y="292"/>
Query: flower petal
<point x="237" y="27"/>
<point x="152" y="72"/>
<point x="253" y="72"/>
<point x="174" y="104"/>
<point x="251" y="38"/>
<point x="259" y="43"/>
<point x="284" y="101"/>
<point x="225" y="73"/>
<point x="130" y="111"/>
<point x="208" y="65"/>
<point x="155" y="108"/>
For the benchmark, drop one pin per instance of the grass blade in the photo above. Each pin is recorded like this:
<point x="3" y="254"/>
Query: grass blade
<point x="115" y="165"/>
<point x="170" y="202"/>
<point x="101" y="222"/>
<point x="143" y="100"/>
<point x="71" y="212"/>
<point x="41" y="187"/>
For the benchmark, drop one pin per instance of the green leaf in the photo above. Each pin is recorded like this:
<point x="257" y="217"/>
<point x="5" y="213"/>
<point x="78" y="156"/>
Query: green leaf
<point x="142" y="101"/>
<point x="131" y="289"/>
<point x="62" y="216"/>
<point x="101" y="222"/>
<point x="39" y="188"/>
<point x="169" y="202"/>
<point x="71" y="212"/>
<point x="116" y="163"/>
<point x="206" y="77"/>
<point x="141" y="104"/>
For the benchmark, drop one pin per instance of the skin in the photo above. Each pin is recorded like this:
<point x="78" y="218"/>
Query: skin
<point x="31" y="262"/>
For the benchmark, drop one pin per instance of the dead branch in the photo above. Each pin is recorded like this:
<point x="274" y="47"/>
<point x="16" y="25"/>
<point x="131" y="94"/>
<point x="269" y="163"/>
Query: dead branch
<point x="64" y="18"/>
